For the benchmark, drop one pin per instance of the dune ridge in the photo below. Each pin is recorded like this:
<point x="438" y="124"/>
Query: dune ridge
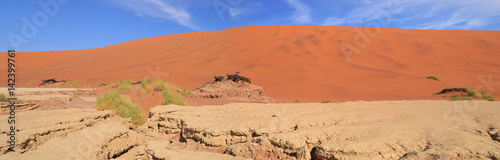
<point x="311" y="63"/>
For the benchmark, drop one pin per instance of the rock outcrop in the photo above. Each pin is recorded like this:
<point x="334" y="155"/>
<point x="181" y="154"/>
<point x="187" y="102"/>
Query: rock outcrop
<point x="233" y="91"/>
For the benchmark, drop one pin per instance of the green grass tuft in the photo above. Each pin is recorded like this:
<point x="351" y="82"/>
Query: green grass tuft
<point x="30" y="83"/>
<point x="35" y="72"/>
<point x="472" y="94"/>
<point x="123" y="107"/>
<point x="123" y="88"/>
<point x="434" y="78"/>
<point x="78" y="83"/>
<point x="3" y="98"/>
<point x="297" y="100"/>
<point x="145" y="82"/>
<point x="67" y="83"/>
<point x="172" y="98"/>
<point x="487" y="96"/>
<point x="185" y="92"/>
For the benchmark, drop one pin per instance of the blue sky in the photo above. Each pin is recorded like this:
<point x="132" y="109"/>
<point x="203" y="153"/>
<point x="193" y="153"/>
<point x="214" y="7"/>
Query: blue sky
<point x="47" y="25"/>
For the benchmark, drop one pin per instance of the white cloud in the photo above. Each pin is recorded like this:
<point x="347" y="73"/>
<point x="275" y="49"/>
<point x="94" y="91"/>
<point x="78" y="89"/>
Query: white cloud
<point x="422" y="14"/>
<point x="302" y="13"/>
<point x="333" y="21"/>
<point x="235" y="12"/>
<point x="157" y="9"/>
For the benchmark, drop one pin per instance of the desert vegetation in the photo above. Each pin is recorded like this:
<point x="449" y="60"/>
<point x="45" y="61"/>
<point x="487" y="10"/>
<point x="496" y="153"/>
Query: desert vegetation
<point x="434" y="78"/>
<point x="172" y="98"/>
<point x="123" y="107"/>
<point x="297" y="100"/>
<point x="169" y="97"/>
<point x="128" y="109"/>
<point x="468" y="94"/>
<point x="3" y="98"/>
<point x="326" y="101"/>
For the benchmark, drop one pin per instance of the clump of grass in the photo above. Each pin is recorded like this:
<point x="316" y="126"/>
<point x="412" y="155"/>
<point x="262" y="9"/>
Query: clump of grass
<point x="30" y="83"/>
<point x="169" y="97"/>
<point x="172" y="98"/>
<point x="3" y="98"/>
<point x="488" y="96"/>
<point x="35" y="72"/>
<point x="460" y="97"/>
<point x="185" y="92"/>
<point x="297" y="100"/>
<point x="469" y="94"/>
<point x="67" y="83"/>
<point x="122" y="86"/>
<point x="434" y="78"/>
<point x="326" y="101"/>
<point x="150" y="85"/>
<point x="78" y="83"/>
<point x="123" y="107"/>
<point x="146" y="82"/>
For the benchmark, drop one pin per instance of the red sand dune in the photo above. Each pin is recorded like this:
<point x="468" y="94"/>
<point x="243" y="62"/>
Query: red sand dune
<point x="289" y="62"/>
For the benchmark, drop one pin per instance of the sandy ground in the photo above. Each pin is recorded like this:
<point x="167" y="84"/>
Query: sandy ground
<point x="350" y="130"/>
<point x="50" y="98"/>
<point x="311" y="63"/>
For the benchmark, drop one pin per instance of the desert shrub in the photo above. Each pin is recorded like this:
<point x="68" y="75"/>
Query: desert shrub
<point x="3" y="98"/>
<point x="123" y="88"/>
<point x="487" y="96"/>
<point x="67" y="83"/>
<point x="471" y="94"/>
<point x="468" y="94"/>
<point x="145" y="82"/>
<point x="149" y="85"/>
<point x="297" y="100"/>
<point x="185" y="92"/>
<point x="19" y="102"/>
<point x="172" y="98"/>
<point x="434" y="78"/>
<point x="326" y="101"/>
<point x="460" y="97"/>
<point x="123" y="107"/>
<point x="126" y="81"/>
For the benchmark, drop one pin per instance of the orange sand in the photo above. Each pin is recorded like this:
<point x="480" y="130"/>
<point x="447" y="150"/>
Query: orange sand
<point x="290" y="62"/>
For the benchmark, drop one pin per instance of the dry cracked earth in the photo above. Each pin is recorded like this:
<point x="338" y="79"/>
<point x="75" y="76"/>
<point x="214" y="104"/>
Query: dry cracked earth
<point x="350" y="130"/>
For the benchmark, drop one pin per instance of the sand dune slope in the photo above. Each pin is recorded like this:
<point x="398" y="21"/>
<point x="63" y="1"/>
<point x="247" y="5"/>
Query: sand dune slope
<point x="307" y="62"/>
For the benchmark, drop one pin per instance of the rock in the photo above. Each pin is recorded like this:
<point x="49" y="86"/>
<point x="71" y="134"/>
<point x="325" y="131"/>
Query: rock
<point x="351" y="130"/>
<point x="160" y="150"/>
<point x="100" y="142"/>
<point x="37" y="127"/>
<point x="237" y="92"/>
